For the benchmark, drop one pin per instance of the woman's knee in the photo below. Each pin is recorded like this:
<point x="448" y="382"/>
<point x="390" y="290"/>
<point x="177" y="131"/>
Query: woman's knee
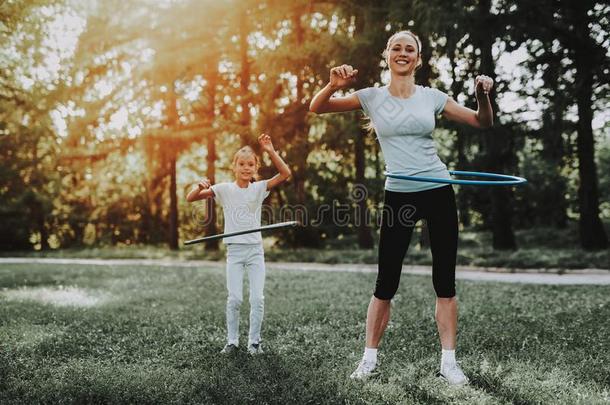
<point x="444" y="291"/>
<point x="447" y="300"/>
<point x="385" y="291"/>
<point x="443" y="280"/>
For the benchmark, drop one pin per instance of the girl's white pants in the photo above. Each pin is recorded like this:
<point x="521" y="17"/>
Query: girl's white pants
<point x="243" y="257"/>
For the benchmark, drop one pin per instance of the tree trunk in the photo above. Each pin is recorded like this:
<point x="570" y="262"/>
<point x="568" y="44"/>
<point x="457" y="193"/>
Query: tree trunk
<point x="171" y="152"/>
<point x="462" y="202"/>
<point x="300" y="138"/>
<point x="592" y="233"/>
<point x="145" y="224"/>
<point x="244" y="82"/>
<point x="424" y="73"/>
<point x="210" y="220"/>
<point x="38" y="210"/>
<point x="365" y="239"/>
<point x="552" y="196"/>
<point x="378" y="173"/>
<point x="158" y="186"/>
<point x="457" y="86"/>
<point x="499" y="146"/>
<point x="500" y="150"/>
<point x="44" y="234"/>
<point x="173" y="206"/>
<point x="296" y="114"/>
<point x="360" y="196"/>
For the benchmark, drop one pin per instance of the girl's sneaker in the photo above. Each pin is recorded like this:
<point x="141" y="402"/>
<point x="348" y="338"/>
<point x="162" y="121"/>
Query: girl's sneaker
<point x="255" y="348"/>
<point x="229" y="348"/>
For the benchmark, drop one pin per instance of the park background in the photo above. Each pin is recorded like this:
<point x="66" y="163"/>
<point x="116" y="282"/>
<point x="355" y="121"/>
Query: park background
<point x="111" y="110"/>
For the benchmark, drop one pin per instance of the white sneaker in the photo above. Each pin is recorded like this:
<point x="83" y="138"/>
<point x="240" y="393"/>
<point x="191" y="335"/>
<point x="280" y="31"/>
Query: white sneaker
<point x="364" y="370"/>
<point x="229" y="349"/>
<point x="454" y="375"/>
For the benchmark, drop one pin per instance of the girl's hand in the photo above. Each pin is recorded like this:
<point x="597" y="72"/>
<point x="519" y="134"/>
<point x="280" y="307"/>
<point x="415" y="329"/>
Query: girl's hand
<point x="265" y="141"/>
<point x="204" y="184"/>
<point x="483" y="85"/>
<point x="342" y="76"/>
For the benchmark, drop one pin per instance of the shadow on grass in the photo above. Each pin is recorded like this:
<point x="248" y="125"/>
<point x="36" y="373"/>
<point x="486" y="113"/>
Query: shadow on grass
<point x="494" y="385"/>
<point x="270" y="378"/>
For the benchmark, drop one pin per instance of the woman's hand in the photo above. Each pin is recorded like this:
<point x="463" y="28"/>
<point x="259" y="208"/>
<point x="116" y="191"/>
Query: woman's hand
<point x="265" y="142"/>
<point x="483" y="85"/>
<point x="342" y="76"/>
<point x="324" y="102"/>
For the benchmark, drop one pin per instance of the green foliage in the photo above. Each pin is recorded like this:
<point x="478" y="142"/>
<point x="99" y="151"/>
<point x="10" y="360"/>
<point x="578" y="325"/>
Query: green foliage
<point x="91" y="124"/>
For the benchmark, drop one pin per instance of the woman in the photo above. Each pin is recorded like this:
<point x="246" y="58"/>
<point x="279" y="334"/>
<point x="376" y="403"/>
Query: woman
<point x="403" y="116"/>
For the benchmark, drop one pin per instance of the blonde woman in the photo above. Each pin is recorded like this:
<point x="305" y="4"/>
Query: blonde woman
<point x="403" y="117"/>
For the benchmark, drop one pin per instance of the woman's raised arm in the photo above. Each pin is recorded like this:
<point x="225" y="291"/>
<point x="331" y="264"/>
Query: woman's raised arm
<point x="483" y="117"/>
<point x="340" y="77"/>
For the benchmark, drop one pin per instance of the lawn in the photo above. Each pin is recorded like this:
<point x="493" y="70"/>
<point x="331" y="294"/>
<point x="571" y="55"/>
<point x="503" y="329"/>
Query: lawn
<point x="148" y="334"/>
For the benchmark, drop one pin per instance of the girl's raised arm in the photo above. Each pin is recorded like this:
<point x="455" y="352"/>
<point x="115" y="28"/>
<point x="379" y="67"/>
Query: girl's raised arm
<point x="281" y="166"/>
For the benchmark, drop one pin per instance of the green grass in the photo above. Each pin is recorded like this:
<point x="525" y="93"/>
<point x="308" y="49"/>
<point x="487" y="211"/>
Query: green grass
<point x="156" y="332"/>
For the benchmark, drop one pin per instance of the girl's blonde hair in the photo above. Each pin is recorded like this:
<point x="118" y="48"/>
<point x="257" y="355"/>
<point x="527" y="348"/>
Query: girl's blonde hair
<point x="368" y="125"/>
<point x="247" y="151"/>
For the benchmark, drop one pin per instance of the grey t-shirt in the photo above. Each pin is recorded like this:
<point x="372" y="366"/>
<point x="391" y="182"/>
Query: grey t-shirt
<point x="404" y="128"/>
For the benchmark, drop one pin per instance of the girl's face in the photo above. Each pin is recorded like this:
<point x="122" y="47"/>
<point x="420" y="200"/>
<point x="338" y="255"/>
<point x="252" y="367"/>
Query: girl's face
<point x="245" y="167"/>
<point x="403" y="55"/>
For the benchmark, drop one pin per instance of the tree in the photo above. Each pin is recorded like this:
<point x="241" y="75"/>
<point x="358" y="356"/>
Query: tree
<point x="369" y="33"/>
<point x="498" y="142"/>
<point x="568" y="44"/>
<point x="589" y="57"/>
<point x="27" y="145"/>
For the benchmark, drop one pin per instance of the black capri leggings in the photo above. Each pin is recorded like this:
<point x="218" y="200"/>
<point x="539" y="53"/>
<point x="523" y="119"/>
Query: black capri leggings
<point x="401" y="211"/>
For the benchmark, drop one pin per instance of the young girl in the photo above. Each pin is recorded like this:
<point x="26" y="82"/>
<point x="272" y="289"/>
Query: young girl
<point x="403" y="116"/>
<point x="241" y="201"/>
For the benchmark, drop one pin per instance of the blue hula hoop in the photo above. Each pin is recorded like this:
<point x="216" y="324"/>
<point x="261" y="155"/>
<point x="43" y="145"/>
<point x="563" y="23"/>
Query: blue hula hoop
<point x="499" y="179"/>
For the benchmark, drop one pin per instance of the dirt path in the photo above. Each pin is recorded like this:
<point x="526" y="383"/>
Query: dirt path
<point x="540" y="276"/>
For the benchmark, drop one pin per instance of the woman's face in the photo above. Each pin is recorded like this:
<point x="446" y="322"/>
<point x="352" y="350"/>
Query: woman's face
<point x="403" y="55"/>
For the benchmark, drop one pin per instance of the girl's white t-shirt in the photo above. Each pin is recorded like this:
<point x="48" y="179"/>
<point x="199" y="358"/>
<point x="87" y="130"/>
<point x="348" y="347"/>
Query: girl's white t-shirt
<point x="242" y="209"/>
